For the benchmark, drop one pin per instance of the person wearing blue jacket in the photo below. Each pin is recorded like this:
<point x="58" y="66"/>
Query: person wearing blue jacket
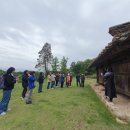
<point x="62" y="80"/>
<point x="31" y="86"/>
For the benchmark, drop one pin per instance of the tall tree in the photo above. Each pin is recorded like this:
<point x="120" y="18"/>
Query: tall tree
<point x="45" y="57"/>
<point x="55" y="64"/>
<point x="64" y="61"/>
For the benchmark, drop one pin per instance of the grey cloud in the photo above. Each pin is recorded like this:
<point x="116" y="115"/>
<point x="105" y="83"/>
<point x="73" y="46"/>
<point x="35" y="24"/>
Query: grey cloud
<point x="77" y="29"/>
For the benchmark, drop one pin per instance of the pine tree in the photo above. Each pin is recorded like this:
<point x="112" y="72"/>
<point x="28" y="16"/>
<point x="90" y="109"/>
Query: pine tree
<point x="55" y="64"/>
<point x="64" y="61"/>
<point x="45" y="57"/>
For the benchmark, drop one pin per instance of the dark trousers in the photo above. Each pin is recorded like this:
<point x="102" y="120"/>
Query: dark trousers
<point x="62" y="84"/>
<point x="57" y="82"/>
<point x="78" y="83"/>
<point x="82" y="83"/>
<point x="48" y="85"/>
<point x="40" y="87"/>
<point x="5" y="100"/>
<point x="24" y="92"/>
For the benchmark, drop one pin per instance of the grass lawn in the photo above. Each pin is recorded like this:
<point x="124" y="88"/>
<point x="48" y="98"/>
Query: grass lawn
<point x="72" y="108"/>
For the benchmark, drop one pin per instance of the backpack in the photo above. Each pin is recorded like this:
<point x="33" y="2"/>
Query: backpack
<point x="1" y="82"/>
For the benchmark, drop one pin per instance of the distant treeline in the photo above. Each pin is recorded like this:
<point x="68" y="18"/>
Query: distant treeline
<point x="79" y="67"/>
<point x="82" y="67"/>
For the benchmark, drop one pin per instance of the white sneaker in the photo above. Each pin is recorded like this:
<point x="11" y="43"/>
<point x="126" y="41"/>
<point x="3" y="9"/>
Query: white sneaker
<point x="22" y="98"/>
<point x="3" y="113"/>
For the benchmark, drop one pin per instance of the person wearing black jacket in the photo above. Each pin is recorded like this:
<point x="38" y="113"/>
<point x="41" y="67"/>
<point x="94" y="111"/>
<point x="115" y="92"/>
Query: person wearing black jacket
<point x="82" y="80"/>
<point x="78" y="80"/>
<point x="9" y="81"/>
<point x="110" y="90"/>
<point x="24" y="83"/>
<point x="40" y="80"/>
<point x="57" y="79"/>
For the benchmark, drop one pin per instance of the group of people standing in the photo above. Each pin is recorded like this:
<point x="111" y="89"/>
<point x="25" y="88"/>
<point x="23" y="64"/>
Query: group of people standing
<point x="55" y="80"/>
<point x="28" y="84"/>
<point x="80" y="80"/>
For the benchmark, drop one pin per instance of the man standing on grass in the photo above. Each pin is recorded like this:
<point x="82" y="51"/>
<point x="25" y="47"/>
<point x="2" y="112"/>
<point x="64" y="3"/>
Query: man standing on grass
<point x="31" y="86"/>
<point x="82" y="80"/>
<point x="40" y="81"/>
<point x="78" y="80"/>
<point x="62" y="80"/>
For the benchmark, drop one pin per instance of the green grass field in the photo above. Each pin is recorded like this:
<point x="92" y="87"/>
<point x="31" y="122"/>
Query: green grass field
<point x="72" y="108"/>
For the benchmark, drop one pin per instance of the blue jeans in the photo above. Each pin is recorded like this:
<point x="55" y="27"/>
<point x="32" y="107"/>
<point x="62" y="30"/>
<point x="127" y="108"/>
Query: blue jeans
<point x="52" y="84"/>
<point x="5" y="100"/>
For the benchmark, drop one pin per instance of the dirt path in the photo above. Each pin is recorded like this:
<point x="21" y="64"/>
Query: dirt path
<point x="120" y="107"/>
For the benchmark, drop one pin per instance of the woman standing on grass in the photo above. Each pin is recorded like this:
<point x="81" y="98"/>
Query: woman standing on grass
<point x="9" y="81"/>
<point x="68" y="79"/>
<point x="49" y="81"/>
<point x="53" y="80"/>
<point x="24" y="83"/>
<point x="31" y="86"/>
<point x="40" y="80"/>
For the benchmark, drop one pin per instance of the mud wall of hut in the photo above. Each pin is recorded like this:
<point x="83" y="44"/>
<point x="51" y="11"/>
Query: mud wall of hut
<point x="100" y="76"/>
<point x="122" y="77"/>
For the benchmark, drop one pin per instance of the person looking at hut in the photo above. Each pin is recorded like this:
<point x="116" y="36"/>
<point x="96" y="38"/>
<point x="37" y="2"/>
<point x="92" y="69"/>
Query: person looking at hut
<point x="68" y="80"/>
<point x="82" y="80"/>
<point x="24" y="83"/>
<point x="9" y="81"/>
<point x="110" y="90"/>
<point x="53" y="80"/>
<point x="62" y="80"/>
<point x="78" y="80"/>
<point x="40" y="80"/>
<point x="57" y="79"/>
<point x="31" y="86"/>
<point x="71" y="78"/>
<point x="49" y="81"/>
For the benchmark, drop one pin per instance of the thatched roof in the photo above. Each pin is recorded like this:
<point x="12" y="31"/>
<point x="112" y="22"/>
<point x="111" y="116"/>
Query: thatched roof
<point x="121" y="34"/>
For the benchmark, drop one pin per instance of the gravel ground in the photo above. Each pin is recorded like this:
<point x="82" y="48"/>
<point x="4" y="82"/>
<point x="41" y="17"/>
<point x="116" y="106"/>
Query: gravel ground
<point x="120" y="107"/>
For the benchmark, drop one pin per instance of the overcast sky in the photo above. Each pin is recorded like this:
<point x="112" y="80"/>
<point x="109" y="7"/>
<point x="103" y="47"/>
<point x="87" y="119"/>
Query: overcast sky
<point x="77" y="29"/>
